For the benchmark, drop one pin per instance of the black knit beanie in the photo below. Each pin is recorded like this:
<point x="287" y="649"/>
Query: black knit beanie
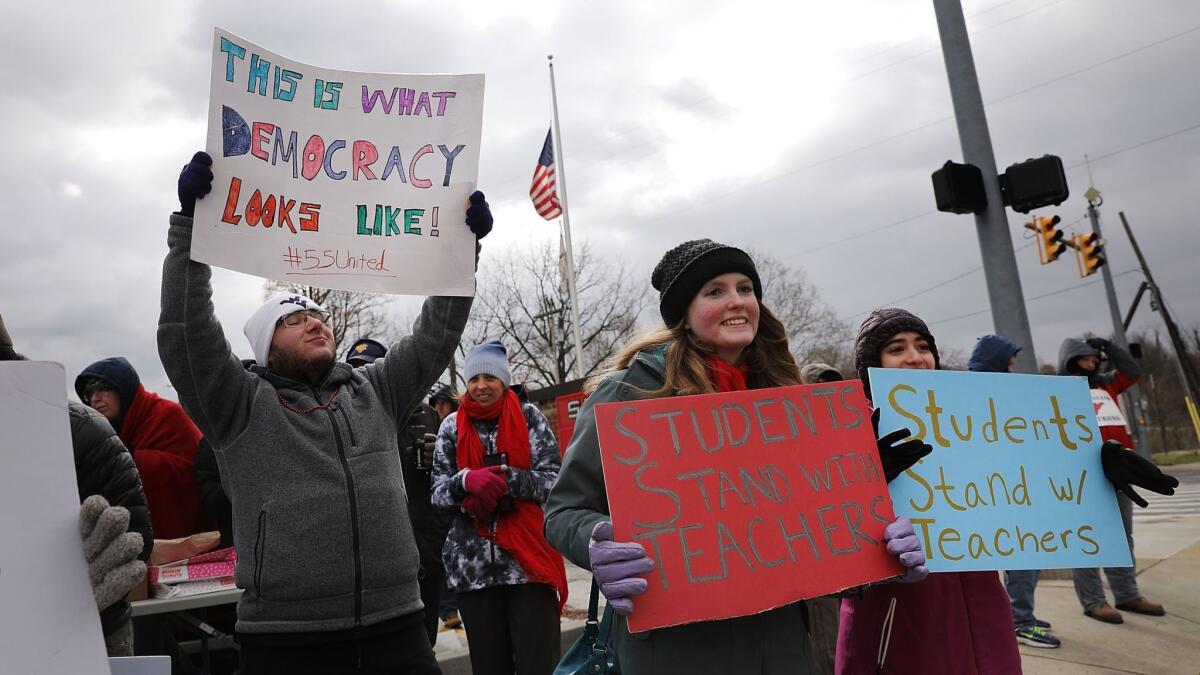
<point x="880" y="326"/>
<point x="684" y="269"/>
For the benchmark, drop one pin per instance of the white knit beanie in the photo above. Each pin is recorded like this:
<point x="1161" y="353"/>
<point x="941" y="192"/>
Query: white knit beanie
<point x="260" y="327"/>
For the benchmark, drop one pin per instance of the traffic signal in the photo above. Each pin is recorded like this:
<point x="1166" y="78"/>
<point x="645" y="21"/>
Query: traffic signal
<point x="1091" y="253"/>
<point x="1034" y="183"/>
<point x="1052" y="245"/>
<point x="958" y="188"/>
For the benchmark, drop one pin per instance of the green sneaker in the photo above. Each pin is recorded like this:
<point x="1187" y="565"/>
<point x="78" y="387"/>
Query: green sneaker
<point x="1036" y="636"/>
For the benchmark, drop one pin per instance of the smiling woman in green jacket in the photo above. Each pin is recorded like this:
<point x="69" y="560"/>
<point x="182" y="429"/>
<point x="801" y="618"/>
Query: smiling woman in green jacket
<point x="717" y="336"/>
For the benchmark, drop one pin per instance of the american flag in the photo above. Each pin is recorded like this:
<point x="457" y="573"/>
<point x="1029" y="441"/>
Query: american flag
<point x="544" y="190"/>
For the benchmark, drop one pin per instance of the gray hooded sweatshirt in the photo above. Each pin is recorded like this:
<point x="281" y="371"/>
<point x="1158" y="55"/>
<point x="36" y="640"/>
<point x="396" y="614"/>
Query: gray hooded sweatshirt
<point x="320" y="524"/>
<point x="1122" y="362"/>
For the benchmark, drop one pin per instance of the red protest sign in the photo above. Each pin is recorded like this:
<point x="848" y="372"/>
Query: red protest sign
<point x="746" y="500"/>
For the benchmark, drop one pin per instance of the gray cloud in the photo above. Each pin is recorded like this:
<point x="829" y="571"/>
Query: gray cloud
<point x="840" y="142"/>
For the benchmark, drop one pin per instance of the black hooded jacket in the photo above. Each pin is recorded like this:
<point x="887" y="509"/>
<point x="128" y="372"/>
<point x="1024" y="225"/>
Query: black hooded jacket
<point x="430" y="524"/>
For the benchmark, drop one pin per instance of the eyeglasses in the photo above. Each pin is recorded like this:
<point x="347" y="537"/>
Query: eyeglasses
<point x="302" y="317"/>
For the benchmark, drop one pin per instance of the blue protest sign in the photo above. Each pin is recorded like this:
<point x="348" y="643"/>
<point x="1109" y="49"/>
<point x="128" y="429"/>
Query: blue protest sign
<point x="1014" y="480"/>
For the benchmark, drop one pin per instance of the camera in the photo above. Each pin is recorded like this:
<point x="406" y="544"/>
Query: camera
<point x="417" y="448"/>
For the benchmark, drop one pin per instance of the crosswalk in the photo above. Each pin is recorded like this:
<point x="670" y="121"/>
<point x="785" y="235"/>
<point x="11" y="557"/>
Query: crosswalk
<point x="1185" y="501"/>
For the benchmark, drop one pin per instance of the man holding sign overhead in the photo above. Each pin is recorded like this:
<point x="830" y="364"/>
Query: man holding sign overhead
<point x="335" y="189"/>
<point x="307" y="447"/>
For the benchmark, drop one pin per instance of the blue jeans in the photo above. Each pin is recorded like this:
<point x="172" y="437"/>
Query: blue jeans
<point x="1021" y="585"/>
<point x="1123" y="580"/>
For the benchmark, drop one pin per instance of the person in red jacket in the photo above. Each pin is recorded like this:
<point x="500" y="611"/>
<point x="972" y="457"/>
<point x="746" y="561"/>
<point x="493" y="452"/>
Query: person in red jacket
<point x="1084" y="358"/>
<point x="161" y="437"/>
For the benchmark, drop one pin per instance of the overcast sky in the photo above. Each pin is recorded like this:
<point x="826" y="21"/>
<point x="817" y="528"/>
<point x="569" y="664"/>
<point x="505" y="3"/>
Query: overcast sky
<point x="786" y="127"/>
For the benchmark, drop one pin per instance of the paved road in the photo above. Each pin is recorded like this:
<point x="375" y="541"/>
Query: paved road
<point x="1185" y="501"/>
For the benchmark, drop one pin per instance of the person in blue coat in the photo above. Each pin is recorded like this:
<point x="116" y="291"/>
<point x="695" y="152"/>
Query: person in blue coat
<point x="996" y="354"/>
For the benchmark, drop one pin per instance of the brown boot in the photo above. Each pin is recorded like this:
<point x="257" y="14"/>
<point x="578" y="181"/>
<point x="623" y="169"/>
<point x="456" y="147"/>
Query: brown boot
<point x="1143" y="606"/>
<point x="1104" y="612"/>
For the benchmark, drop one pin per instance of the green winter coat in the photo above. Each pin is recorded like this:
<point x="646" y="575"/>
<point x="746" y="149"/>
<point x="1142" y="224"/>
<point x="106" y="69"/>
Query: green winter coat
<point x="772" y="642"/>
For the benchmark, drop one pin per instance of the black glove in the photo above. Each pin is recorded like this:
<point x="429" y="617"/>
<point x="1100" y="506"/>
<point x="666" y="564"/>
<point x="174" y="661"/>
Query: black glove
<point x="1099" y="344"/>
<point x="1126" y="468"/>
<point x="479" y="215"/>
<point x="427" y="448"/>
<point x="195" y="181"/>
<point x="6" y="345"/>
<point x="896" y="453"/>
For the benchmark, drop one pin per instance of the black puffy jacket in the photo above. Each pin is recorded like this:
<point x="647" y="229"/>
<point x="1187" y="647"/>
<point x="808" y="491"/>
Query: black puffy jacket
<point x="103" y="466"/>
<point x="430" y="524"/>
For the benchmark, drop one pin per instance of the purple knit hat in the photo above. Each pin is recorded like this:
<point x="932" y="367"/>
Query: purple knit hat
<point x="879" y="327"/>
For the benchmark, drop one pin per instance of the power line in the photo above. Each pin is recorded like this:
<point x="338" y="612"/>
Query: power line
<point x="1134" y="147"/>
<point x="1098" y="64"/>
<point x="938" y="47"/>
<point x="825" y="160"/>
<point x="940" y="284"/>
<point x="885" y="50"/>
<point x="859" y="235"/>
<point x="711" y="96"/>
<point x="1036" y="297"/>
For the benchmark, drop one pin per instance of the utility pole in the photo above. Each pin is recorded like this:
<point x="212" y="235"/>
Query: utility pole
<point x="1007" y="301"/>
<point x="1191" y="379"/>
<point x="1133" y="395"/>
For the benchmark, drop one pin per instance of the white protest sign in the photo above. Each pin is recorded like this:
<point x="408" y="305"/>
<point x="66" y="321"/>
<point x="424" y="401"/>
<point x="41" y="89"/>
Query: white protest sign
<point x="347" y="180"/>
<point x="1108" y="413"/>
<point x="48" y="618"/>
<point x="140" y="665"/>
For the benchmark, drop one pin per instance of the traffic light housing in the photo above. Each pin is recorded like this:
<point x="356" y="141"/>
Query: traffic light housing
<point x="958" y="188"/>
<point x="1090" y="250"/>
<point x="1052" y="245"/>
<point x="1034" y="183"/>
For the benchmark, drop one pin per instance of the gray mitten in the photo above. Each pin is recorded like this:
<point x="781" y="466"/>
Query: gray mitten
<point x="110" y="549"/>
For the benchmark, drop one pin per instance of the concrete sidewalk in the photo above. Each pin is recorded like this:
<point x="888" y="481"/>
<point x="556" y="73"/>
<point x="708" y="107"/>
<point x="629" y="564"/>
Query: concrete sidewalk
<point x="1168" y="557"/>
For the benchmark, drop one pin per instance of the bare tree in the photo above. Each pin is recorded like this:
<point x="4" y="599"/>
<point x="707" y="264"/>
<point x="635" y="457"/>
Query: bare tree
<point x="815" y="333"/>
<point x="352" y="314"/>
<point x="522" y="300"/>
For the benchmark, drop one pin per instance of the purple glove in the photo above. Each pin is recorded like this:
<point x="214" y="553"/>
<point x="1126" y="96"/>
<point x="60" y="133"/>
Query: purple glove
<point x="487" y="484"/>
<point x="479" y="215"/>
<point x="904" y="543"/>
<point x="195" y="181"/>
<point x="615" y="566"/>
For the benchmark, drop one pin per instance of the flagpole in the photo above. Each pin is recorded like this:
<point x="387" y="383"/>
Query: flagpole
<point x="561" y="176"/>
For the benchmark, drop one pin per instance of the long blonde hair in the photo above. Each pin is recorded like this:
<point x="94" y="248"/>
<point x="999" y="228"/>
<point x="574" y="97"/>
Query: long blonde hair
<point x="767" y="360"/>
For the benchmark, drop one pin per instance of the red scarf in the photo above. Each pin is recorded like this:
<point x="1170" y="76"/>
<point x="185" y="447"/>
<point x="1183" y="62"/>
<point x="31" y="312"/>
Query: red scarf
<point x="725" y="377"/>
<point x="518" y="532"/>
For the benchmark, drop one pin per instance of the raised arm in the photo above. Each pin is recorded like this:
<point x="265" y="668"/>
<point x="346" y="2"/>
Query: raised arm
<point x="213" y="387"/>
<point x="1125" y="371"/>
<point x="413" y="364"/>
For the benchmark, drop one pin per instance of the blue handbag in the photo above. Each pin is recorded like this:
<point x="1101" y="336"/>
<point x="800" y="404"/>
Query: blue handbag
<point x="591" y="654"/>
